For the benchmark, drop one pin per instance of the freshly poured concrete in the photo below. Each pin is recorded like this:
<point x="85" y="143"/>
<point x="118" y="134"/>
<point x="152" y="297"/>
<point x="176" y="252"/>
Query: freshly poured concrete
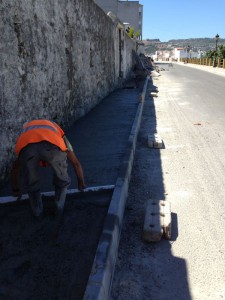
<point x="50" y="258"/>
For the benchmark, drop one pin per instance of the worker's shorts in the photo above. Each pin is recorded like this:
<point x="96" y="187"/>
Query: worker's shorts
<point x="30" y="157"/>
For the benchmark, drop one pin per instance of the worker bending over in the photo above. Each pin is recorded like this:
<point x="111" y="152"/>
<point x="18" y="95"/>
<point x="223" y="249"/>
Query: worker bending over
<point x="42" y="142"/>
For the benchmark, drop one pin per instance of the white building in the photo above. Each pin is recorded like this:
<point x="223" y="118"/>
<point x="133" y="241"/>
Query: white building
<point x="163" y="55"/>
<point x="127" y="11"/>
<point x="179" y="53"/>
<point x="182" y="53"/>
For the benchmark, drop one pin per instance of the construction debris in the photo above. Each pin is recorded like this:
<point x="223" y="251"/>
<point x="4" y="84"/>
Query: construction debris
<point x="154" y="141"/>
<point x="157" y="221"/>
<point x="154" y="74"/>
<point x="154" y="94"/>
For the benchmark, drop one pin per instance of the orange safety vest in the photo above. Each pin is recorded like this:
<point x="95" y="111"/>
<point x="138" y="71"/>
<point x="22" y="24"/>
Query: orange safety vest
<point x="40" y="130"/>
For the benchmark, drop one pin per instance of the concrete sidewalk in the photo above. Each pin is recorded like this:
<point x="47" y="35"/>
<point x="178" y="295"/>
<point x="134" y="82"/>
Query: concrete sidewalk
<point x="100" y="279"/>
<point x="99" y="140"/>
<point x="216" y="71"/>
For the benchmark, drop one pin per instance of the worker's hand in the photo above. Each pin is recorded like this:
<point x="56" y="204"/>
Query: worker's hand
<point x="16" y="193"/>
<point x="81" y="186"/>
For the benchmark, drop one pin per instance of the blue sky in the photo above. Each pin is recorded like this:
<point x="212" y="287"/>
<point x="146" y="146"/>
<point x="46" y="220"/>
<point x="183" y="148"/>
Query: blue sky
<point x="177" y="19"/>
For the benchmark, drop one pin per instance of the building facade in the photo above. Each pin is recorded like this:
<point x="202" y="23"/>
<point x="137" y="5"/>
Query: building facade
<point x="183" y="53"/>
<point x="127" y="11"/>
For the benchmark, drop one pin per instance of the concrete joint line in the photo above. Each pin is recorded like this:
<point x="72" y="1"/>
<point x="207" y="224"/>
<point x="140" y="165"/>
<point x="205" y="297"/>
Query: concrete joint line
<point x="8" y="199"/>
<point x="100" y="279"/>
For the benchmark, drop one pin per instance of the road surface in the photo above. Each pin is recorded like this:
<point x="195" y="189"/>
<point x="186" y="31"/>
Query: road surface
<point x="189" y="115"/>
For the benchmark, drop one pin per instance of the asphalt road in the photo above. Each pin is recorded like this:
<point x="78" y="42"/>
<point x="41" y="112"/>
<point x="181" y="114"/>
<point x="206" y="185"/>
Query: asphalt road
<point x="189" y="115"/>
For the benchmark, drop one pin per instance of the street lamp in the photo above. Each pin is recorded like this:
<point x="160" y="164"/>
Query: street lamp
<point x="217" y="38"/>
<point x="188" y="50"/>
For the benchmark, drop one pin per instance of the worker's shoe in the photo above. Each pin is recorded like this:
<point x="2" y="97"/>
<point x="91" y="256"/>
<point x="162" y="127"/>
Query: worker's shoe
<point x="36" y="203"/>
<point x="60" y="198"/>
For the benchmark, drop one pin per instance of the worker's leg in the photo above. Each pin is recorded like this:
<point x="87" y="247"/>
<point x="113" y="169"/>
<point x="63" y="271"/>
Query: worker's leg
<point x="61" y="179"/>
<point x="58" y="161"/>
<point x="36" y="203"/>
<point x="29" y="159"/>
<point x="60" y="197"/>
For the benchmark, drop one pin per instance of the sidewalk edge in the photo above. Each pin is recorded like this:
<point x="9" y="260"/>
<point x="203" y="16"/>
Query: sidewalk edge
<point x="100" y="279"/>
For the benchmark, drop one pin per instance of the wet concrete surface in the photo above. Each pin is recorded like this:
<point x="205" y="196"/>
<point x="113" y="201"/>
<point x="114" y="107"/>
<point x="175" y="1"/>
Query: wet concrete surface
<point x="99" y="140"/>
<point x="52" y="259"/>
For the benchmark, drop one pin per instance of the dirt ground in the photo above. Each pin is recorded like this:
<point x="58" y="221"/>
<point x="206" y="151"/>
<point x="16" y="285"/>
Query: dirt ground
<point x="39" y="259"/>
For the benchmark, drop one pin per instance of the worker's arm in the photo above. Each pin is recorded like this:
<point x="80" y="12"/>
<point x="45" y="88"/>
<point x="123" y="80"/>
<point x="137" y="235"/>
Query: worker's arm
<point x="15" y="178"/>
<point x="77" y="168"/>
<point x="75" y="163"/>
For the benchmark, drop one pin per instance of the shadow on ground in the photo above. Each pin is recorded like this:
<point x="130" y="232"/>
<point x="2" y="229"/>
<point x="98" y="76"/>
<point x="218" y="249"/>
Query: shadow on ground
<point x="147" y="271"/>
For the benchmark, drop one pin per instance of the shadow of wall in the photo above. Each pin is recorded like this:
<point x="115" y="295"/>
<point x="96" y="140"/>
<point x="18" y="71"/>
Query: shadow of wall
<point x="148" y="270"/>
<point x="171" y="270"/>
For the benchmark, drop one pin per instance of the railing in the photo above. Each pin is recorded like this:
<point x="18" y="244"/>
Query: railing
<point x="219" y="63"/>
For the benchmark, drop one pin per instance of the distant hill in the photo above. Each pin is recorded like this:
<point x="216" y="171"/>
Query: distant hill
<point x="204" y="44"/>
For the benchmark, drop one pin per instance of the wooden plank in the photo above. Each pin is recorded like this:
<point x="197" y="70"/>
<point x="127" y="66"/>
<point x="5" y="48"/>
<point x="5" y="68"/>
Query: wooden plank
<point x="9" y="199"/>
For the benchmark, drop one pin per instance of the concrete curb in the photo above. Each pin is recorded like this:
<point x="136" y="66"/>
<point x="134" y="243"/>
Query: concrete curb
<point x="100" y="279"/>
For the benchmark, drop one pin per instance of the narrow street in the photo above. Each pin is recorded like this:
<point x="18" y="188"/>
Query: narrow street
<point x="189" y="115"/>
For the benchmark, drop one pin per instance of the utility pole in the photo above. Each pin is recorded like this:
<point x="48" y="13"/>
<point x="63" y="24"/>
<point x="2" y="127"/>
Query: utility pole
<point x="215" y="59"/>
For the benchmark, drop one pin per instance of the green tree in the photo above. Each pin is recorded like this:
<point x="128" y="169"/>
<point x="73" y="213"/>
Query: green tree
<point x="210" y="54"/>
<point x="137" y="34"/>
<point x="220" y="52"/>
<point x="131" y="32"/>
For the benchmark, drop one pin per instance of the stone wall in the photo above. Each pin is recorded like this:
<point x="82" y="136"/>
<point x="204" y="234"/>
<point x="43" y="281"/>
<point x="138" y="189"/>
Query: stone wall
<point x="58" y="59"/>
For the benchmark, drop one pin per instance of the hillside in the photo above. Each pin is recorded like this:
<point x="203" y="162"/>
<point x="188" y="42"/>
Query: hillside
<point x="196" y="44"/>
